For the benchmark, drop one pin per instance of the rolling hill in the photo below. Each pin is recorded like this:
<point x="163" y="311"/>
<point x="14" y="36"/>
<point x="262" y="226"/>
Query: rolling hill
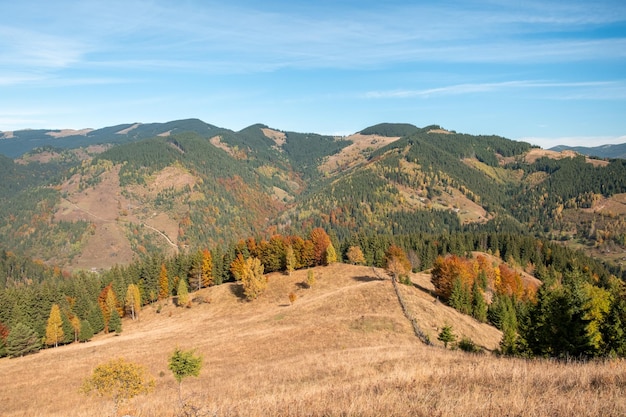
<point x="344" y="347"/>
<point x="604" y="151"/>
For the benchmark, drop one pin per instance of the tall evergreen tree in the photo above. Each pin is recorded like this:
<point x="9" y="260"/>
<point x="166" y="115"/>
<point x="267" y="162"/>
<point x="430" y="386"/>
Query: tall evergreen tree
<point x="115" y="324"/>
<point x="22" y="340"/>
<point x="86" y="331"/>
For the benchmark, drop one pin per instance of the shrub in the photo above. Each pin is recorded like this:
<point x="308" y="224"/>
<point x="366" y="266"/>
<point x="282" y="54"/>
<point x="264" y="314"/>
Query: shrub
<point x="467" y="345"/>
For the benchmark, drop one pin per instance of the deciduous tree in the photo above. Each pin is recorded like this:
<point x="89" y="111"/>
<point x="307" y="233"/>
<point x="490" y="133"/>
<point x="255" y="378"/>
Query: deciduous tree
<point x="119" y="380"/>
<point x="132" y="301"/>
<point x="396" y="262"/>
<point x="250" y="273"/>
<point x="290" y="260"/>
<point x="331" y="255"/>
<point x="320" y="240"/>
<point x="183" y="364"/>
<point x="355" y="255"/>
<point x="183" y="294"/>
<point x="164" y="283"/>
<point x="54" y="328"/>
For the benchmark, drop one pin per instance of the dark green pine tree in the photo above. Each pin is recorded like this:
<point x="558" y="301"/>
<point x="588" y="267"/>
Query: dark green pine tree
<point x="68" y="329"/>
<point x="95" y="319"/>
<point x="115" y="324"/>
<point x="86" y="331"/>
<point x="460" y="297"/>
<point x="22" y="340"/>
<point x="446" y="335"/>
<point x="479" y="305"/>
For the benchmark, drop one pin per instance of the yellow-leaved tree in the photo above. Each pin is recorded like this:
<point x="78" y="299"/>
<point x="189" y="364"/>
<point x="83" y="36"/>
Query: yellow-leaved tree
<point x="164" y="283"/>
<point x="132" y="302"/>
<point x="355" y="255"/>
<point x="54" y="328"/>
<point x="250" y="273"/>
<point x="119" y="380"/>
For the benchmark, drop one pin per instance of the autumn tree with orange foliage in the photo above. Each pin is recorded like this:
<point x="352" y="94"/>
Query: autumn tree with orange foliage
<point x="164" y="283"/>
<point x="396" y="262"/>
<point x="107" y="300"/>
<point x="510" y="282"/>
<point x="447" y="270"/>
<point x="355" y="255"/>
<point x="321" y="241"/>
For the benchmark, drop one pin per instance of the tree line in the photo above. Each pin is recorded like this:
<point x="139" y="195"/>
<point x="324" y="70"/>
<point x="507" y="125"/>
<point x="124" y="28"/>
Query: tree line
<point x="40" y="305"/>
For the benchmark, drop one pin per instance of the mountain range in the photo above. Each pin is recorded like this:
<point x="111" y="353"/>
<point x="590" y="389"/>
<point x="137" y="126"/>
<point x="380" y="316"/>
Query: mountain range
<point x="604" y="151"/>
<point x="96" y="198"/>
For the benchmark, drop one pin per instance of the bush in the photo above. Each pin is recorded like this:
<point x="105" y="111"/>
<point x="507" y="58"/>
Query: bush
<point x="467" y="345"/>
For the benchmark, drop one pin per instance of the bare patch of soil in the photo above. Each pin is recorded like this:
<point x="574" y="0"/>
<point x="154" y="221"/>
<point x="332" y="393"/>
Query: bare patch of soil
<point x="440" y="131"/>
<point x="356" y="153"/>
<point x="128" y="129"/>
<point x="278" y="137"/>
<point x="534" y="154"/>
<point x="235" y="153"/>
<point x="69" y="132"/>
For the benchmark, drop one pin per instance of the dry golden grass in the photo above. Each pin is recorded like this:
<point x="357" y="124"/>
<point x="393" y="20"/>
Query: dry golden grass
<point x="344" y="348"/>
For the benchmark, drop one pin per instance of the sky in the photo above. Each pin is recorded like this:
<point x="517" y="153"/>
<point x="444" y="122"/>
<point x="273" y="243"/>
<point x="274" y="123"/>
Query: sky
<point x="546" y="72"/>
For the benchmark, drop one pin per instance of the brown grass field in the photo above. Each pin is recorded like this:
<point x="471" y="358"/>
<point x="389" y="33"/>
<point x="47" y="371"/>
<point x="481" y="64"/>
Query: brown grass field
<point x="343" y="348"/>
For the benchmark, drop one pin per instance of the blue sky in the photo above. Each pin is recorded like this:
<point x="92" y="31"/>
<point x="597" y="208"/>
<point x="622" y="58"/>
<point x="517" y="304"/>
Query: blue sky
<point x="547" y="72"/>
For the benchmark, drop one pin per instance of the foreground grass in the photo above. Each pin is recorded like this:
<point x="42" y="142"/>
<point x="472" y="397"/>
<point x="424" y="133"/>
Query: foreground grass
<point x="343" y="348"/>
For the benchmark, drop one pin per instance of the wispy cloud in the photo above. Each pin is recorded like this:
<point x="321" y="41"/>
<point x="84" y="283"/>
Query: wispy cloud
<point x="207" y="37"/>
<point x="589" y="87"/>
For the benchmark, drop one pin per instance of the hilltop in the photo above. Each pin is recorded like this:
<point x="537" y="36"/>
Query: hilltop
<point x="344" y="347"/>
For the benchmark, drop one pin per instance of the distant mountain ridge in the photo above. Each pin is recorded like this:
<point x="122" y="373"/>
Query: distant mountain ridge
<point x="603" y="151"/>
<point x="16" y="143"/>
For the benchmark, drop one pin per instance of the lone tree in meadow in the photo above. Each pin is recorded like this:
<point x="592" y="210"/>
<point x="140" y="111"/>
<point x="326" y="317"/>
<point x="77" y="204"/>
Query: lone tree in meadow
<point x="183" y="364"/>
<point x="119" y="380"/>
<point x="446" y="335"/>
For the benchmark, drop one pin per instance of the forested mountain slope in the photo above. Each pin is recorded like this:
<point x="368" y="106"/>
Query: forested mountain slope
<point x="108" y="196"/>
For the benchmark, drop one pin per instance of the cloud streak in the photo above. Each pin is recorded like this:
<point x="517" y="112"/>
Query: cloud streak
<point x="618" y="87"/>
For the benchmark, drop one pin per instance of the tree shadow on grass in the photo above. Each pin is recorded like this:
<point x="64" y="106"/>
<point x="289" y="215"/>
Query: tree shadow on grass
<point x="367" y="278"/>
<point x="237" y="291"/>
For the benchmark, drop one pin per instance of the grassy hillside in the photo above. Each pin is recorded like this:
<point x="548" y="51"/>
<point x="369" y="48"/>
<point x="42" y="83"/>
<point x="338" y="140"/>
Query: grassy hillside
<point x="343" y="347"/>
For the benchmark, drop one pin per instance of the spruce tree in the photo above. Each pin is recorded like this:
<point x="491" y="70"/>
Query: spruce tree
<point x="446" y="335"/>
<point x="22" y="340"/>
<point x="86" y="331"/>
<point x="96" y="319"/>
<point x="115" y="324"/>
<point x="479" y="306"/>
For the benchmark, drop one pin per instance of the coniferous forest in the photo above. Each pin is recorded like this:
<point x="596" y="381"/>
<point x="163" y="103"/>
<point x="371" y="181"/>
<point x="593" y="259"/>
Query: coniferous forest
<point x="201" y="205"/>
